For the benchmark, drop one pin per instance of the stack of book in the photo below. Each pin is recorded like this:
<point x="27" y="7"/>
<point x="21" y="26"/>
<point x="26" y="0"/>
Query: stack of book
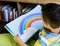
<point x="8" y="13"/>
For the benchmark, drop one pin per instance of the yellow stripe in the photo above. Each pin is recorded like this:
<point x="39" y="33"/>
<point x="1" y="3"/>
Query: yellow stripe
<point x="37" y="43"/>
<point x="43" y="33"/>
<point x="52" y="40"/>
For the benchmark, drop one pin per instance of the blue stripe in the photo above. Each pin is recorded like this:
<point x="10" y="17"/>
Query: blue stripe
<point x="23" y="21"/>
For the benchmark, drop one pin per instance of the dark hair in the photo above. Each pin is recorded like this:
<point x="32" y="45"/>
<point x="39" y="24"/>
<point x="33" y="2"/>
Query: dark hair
<point x="51" y="14"/>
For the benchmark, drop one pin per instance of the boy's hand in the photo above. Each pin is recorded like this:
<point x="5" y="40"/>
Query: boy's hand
<point x="19" y="41"/>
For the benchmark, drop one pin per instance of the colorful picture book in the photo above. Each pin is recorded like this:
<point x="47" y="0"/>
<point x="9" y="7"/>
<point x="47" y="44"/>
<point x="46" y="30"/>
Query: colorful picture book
<point x="26" y="25"/>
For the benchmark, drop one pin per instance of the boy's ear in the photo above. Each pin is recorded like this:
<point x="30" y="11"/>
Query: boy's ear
<point x="45" y="24"/>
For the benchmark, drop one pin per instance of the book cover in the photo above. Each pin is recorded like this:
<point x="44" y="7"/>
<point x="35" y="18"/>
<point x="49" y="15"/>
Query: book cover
<point x="26" y="25"/>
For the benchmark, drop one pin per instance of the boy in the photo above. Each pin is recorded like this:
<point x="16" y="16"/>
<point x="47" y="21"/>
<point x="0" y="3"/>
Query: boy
<point x="51" y="21"/>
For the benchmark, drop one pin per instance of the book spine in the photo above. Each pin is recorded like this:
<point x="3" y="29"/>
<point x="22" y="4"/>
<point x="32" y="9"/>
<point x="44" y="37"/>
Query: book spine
<point x="1" y="15"/>
<point x="14" y="13"/>
<point x="10" y="16"/>
<point x="6" y="15"/>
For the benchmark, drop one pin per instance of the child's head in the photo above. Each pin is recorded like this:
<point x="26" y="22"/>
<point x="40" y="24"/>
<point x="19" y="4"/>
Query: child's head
<point x="51" y="16"/>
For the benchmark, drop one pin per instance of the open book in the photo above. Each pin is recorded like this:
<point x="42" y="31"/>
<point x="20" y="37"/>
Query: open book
<point x="26" y="25"/>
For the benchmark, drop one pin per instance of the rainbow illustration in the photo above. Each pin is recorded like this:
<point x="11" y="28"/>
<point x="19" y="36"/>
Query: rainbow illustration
<point x="29" y="20"/>
<point x="32" y="19"/>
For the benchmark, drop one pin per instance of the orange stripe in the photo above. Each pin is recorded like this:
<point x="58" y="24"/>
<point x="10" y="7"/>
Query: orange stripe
<point x="32" y="20"/>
